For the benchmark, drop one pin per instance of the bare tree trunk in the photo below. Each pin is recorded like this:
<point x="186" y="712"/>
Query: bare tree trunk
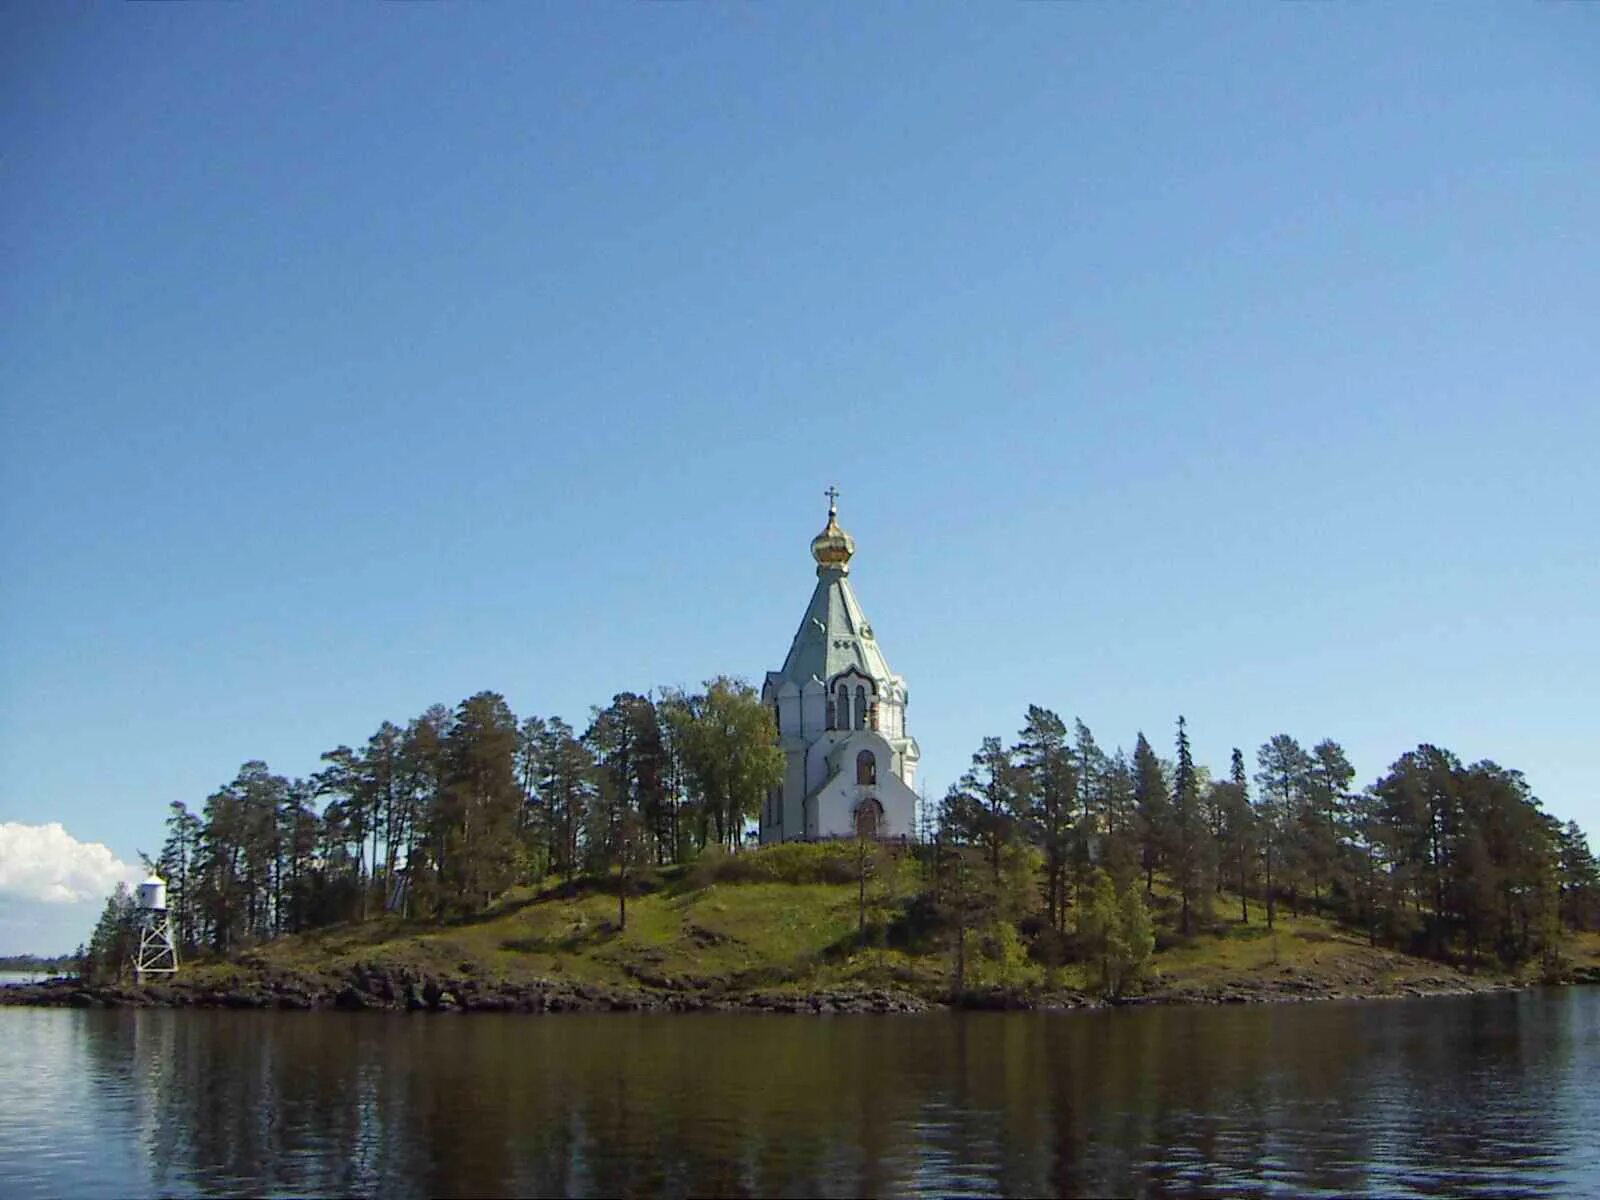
<point x="1272" y="906"/>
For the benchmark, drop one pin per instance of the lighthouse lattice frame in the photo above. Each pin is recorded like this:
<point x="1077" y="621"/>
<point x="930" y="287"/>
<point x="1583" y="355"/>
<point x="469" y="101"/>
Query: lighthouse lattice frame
<point x="157" y="952"/>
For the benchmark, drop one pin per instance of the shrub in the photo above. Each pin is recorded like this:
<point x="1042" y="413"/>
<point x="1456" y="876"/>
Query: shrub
<point x="789" y="862"/>
<point x="1002" y="959"/>
<point x="1115" y="932"/>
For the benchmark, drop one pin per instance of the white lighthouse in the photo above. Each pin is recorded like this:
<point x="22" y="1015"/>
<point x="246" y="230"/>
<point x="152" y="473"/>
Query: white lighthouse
<point x="158" y="952"/>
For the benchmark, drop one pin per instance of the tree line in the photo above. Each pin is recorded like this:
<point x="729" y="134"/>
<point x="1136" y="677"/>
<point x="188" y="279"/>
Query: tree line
<point x="1435" y="856"/>
<point x="1050" y="834"/>
<point x="442" y="815"/>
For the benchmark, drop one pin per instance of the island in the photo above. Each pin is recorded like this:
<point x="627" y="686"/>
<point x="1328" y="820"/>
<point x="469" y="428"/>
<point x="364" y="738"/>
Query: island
<point x="730" y="848"/>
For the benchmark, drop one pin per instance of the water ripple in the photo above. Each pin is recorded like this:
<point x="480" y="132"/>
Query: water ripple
<point x="1496" y="1095"/>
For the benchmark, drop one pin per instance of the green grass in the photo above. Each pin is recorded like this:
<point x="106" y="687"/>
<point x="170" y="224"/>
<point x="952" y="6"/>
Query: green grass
<point x="1584" y="949"/>
<point x="714" y="937"/>
<point x="771" y="923"/>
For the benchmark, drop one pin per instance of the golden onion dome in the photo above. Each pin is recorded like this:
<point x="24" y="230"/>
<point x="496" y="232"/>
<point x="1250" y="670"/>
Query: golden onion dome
<point x="833" y="547"/>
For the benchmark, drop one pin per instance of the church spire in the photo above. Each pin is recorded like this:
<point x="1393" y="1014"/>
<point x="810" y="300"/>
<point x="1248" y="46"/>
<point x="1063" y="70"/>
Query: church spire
<point x="833" y="547"/>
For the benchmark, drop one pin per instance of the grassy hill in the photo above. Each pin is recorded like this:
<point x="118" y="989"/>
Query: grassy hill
<point x="750" y="931"/>
<point x="722" y="934"/>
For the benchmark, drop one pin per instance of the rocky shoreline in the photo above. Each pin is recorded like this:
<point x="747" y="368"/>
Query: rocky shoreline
<point x="382" y="991"/>
<point x="378" y="989"/>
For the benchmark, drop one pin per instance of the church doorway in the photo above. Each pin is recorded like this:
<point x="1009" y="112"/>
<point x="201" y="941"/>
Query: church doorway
<point x="869" y="819"/>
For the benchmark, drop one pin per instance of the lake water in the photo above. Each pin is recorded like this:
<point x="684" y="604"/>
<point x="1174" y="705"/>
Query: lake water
<point x="1496" y="1094"/>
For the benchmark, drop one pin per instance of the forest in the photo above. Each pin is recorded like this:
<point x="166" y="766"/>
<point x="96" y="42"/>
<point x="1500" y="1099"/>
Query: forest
<point x="1435" y="857"/>
<point x="1048" y="845"/>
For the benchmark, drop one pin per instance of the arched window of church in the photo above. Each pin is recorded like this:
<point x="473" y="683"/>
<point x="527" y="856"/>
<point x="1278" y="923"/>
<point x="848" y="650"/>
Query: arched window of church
<point x="777" y="717"/>
<point x="866" y="768"/>
<point x="844" y="707"/>
<point x="869" y="818"/>
<point x="861" y="707"/>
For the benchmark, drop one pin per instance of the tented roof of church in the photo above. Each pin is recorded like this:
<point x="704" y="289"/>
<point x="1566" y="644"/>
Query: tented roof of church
<point x="833" y="636"/>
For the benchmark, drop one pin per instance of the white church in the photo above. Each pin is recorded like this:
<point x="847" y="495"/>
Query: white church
<point x="841" y="714"/>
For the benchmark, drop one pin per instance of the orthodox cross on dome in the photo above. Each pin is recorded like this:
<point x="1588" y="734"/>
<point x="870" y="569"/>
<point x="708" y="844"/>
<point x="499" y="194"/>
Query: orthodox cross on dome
<point x="833" y="547"/>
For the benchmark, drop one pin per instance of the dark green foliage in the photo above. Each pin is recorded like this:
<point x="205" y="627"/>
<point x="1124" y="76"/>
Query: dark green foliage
<point x="1153" y="809"/>
<point x="630" y="760"/>
<point x="114" y="940"/>
<point x="1049" y="804"/>
<point x="729" y="753"/>
<point x="1469" y="852"/>
<point x="1324" y="815"/>
<point x="178" y="865"/>
<point x="1191" y="844"/>
<point x="470" y="854"/>
<point x="441" y="817"/>
<point x="1437" y="858"/>
<point x="1281" y="779"/>
<point x="1579" y="878"/>
<point x="237" y="872"/>
<point x="1237" y="845"/>
<point x="988" y="806"/>
<point x="1115" y="933"/>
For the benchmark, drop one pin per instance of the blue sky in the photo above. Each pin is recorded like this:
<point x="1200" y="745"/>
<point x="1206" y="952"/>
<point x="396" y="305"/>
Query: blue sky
<point x="1231" y="361"/>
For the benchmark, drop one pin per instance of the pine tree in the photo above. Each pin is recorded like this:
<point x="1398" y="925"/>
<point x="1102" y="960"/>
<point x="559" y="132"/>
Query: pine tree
<point x="982" y="807"/>
<point x="299" y="832"/>
<point x="1154" y="810"/>
<point x="112" y="944"/>
<point x="1188" y="834"/>
<point x="625" y="741"/>
<point x="481" y="804"/>
<point x="1055" y="823"/>
<point x="1281" y="778"/>
<point x="1119" y="791"/>
<point x="420" y="800"/>
<point x="384" y="768"/>
<point x="1237" y="847"/>
<point x="1091" y="764"/>
<point x="177" y="867"/>
<point x="1579" y="879"/>
<point x="566" y="788"/>
<point x="1324" y="817"/>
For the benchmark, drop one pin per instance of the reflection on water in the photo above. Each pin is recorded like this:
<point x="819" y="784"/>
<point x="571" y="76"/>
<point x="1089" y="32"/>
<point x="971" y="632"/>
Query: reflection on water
<point x="1494" y="1094"/>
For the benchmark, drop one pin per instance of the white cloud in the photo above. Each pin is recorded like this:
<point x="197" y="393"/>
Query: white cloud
<point x="47" y="864"/>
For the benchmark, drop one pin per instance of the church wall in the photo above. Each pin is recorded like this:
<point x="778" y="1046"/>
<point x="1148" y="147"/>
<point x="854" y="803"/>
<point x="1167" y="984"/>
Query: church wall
<point x="816" y="757"/>
<point x="814" y="705"/>
<point x="794" y="795"/>
<point x="788" y="701"/>
<point x="836" y="805"/>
